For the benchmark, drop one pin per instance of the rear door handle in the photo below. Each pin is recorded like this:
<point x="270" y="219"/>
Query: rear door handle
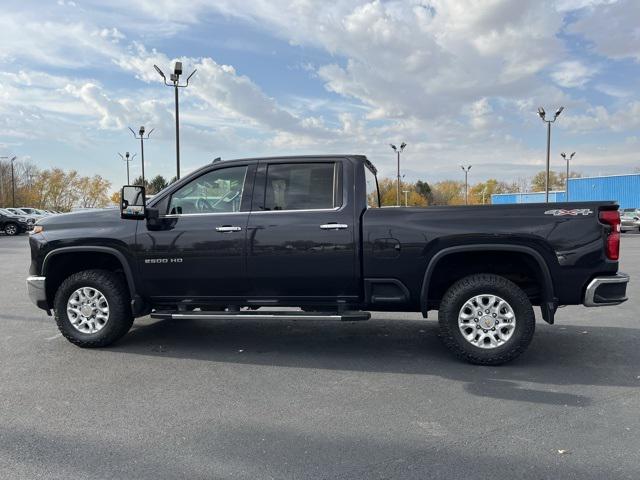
<point x="334" y="226"/>
<point x="228" y="229"/>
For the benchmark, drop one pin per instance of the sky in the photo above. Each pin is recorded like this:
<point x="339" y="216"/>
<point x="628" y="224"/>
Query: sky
<point x="459" y="81"/>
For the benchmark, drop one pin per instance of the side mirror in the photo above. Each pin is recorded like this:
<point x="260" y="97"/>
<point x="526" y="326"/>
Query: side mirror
<point x="132" y="202"/>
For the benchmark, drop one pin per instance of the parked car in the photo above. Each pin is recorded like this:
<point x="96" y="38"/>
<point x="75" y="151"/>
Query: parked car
<point x="308" y="232"/>
<point x="23" y="213"/>
<point x="34" y="211"/>
<point x="12" y="224"/>
<point x="629" y="220"/>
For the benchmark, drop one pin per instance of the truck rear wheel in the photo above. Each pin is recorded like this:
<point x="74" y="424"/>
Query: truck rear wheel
<point x="486" y="319"/>
<point x="92" y="308"/>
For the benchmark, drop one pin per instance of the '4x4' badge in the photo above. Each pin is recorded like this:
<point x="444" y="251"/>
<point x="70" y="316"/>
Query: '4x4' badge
<point x="573" y="212"/>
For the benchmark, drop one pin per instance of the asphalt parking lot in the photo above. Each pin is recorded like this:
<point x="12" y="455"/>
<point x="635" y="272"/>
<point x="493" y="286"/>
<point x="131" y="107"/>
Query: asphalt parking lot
<point x="299" y="400"/>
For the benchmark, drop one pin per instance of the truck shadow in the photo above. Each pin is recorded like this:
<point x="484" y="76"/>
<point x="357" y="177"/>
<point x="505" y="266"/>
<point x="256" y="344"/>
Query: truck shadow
<point x="558" y="356"/>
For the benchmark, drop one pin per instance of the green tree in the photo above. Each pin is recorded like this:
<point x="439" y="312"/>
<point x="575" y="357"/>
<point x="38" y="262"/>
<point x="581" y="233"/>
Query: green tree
<point x="424" y="189"/>
<point x="156" y="184"/>
<point x="138" y="181"/>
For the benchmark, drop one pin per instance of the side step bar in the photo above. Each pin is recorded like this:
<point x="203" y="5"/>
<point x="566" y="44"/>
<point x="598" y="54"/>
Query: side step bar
<point x="268" y="315"/>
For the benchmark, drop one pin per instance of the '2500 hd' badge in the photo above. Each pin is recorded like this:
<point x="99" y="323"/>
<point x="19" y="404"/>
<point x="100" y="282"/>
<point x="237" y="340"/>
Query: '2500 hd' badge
<point x="162" y="260"/>
<point x="574" y="212"/>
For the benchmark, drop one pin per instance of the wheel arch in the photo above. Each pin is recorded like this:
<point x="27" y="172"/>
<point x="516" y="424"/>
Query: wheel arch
<point x="548" y="301"/>
<point x="115" y="256"/>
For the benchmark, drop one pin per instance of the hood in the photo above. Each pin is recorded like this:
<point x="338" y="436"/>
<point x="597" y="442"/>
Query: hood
<point x="93" y="217"/>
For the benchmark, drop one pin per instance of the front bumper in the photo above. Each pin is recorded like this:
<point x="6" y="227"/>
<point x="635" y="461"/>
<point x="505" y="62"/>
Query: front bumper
<point x="37" y="292"/>
<point x="609" y="290"/>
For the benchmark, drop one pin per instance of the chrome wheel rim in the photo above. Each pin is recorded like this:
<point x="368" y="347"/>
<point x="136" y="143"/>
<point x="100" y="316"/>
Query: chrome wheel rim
<point x="11" y="230"/>
<point x="486" y="321"/>
<point x="88" y="310"/>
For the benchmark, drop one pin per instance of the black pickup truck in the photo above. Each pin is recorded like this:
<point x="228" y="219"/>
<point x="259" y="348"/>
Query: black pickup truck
<point x="308" y="232"/>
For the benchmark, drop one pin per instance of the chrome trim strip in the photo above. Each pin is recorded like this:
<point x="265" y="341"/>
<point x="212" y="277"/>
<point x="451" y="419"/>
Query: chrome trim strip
<point x="263" y="316"/>
<point x="335" y="209"/>
<point x="334" y="226"/>
<point x="36" y="289"/>
<point x="590" y="292"/>
<point x="178" y="215"/>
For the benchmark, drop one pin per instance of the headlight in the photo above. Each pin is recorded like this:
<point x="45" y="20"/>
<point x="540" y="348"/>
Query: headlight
<point x="22" y="220"/>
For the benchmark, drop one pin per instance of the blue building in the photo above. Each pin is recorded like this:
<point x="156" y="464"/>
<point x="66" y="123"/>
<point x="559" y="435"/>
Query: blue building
<point x="624" y="189"/>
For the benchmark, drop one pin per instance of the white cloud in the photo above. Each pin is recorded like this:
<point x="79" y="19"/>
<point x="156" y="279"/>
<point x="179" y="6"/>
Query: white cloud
<point x="573" y="73"/>
<point x="612" y="28"/>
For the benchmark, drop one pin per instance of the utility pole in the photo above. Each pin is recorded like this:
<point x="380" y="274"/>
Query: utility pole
<point x="566" y="180"/>
<point x="542" y="114"/>
<point x="398" y="151"/>
<point x="142" y="138"/>
<point x="466" y="183"/>
<point x="127" y="159"/>
<point x="175" y="83"/>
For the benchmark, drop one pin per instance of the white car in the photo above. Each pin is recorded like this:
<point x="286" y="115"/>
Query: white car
<point x="629" y="221"/>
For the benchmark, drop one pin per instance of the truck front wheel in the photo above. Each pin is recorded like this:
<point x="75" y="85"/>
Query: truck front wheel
<point x="92" y="308"/>
<point x="486" y="319"/>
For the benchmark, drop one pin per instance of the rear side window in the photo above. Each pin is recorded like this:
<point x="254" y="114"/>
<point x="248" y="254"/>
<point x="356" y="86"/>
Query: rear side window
<point x="373" y="195"/>
<point x="301" y="186"/>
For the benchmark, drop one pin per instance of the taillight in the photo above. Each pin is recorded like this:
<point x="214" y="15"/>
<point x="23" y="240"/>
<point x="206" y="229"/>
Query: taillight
<point x="612" y="245"/>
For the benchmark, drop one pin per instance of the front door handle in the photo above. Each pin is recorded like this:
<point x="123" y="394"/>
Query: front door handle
<point x="228" y="229"/>
<point x="334" y="226"/>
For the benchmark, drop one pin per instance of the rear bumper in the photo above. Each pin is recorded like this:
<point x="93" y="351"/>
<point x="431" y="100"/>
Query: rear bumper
<point x="609" y="290"/>
<point x="37" y="292"/>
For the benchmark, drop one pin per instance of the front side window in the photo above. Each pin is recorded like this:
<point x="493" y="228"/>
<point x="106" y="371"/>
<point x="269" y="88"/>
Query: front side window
<point x="301" y="186"/>
<point x="219" y="191"/>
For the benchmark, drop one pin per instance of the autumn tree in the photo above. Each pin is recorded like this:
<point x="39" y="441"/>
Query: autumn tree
<point x="448" y="192"/>
<point x="388" y="193"/>
<point x="480" y="193"/>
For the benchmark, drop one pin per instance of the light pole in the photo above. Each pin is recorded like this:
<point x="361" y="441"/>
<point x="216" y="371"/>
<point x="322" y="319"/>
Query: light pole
<point x="127" y="159"/>
<point x="542" y="114"/>
<point x="398" y="151"/>
<point x="566" y="180"/>
<point x="466" y="183"/>
<point x="175" y="83"/>
<point x="142" y="138"/>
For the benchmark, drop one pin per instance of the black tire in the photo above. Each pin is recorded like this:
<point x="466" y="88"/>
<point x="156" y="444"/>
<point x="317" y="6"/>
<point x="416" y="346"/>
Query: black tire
<point x="11" y="229"/>
<point x="114" y="290"/>
<point x="465" y="289"/>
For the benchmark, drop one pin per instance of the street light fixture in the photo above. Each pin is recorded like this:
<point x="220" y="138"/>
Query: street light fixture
<point x="398" y="150"/>
<point x="542" y="115"/>
<point x="142" y="138"/>
<point x="174" y="81"/>
<point x="127" y="159"/>
<point x="566" y="180"/>
<point x="466" y="183"/>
